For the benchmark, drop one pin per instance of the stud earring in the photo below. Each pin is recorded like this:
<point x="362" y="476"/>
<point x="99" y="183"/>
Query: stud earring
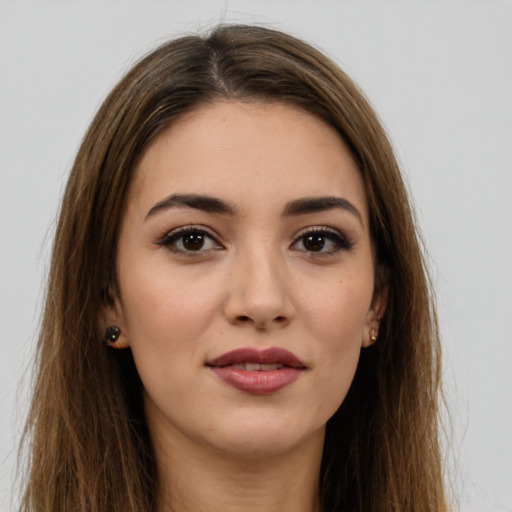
<point x="373" y="335"/>
<point x="112" y="334"/>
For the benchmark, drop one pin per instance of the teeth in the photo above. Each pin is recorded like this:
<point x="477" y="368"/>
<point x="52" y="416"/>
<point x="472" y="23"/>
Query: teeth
<point x="256" y="367"/>
<point x="270" y="367"/>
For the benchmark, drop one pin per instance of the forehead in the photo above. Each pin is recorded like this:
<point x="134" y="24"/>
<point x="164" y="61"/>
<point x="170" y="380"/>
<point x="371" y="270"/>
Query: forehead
<point x="243" y="152"/>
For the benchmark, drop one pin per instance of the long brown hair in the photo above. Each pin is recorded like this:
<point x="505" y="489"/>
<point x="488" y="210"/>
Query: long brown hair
<point x="86" y="438"/>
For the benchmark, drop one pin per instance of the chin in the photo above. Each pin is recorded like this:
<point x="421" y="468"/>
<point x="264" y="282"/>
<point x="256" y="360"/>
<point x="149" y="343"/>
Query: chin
<point x="258" y="439"/>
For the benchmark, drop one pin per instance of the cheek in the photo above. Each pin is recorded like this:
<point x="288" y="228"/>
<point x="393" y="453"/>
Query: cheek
<point x="167" y="308"/>
<point x="337" y="318"/>
<point x="338" y="308"/>
<point x="167" y="315"/>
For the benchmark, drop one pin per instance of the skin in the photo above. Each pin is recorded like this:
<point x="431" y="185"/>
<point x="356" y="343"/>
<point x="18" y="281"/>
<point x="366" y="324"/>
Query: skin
<point x="253" y="283"/>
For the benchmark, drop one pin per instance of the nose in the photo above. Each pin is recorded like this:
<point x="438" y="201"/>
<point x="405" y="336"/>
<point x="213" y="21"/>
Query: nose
<point x="259" y="291"/>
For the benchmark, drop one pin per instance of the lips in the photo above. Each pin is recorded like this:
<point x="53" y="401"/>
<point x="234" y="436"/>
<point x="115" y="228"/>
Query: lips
<point x="260" y="372"/>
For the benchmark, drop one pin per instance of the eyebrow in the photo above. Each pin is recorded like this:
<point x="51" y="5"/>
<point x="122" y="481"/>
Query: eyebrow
<point x="320" y="204"/>
<point x="197" y="201"/>
<point x="296" y="207"/>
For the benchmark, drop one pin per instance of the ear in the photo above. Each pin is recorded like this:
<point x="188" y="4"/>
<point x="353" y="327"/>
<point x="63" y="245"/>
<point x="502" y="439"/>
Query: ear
<point x="111" y="314"/>
<point x="377" y="308"/>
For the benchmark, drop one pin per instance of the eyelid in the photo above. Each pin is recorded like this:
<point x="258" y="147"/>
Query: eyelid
<point x="334" y="235"/>
<point x="343" y="242"/>
<point x="171" y="236"/>
<point x="316" y="228"/>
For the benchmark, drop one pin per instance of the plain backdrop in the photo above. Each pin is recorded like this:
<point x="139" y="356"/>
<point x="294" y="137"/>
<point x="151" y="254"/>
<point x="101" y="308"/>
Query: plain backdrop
<point x="439" y="74"/>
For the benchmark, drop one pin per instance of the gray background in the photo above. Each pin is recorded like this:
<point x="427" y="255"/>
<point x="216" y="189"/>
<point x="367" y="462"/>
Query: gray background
<point x="440" y="75"/>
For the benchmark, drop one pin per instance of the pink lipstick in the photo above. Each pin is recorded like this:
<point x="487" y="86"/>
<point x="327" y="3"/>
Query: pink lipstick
<point x="259" y="372"/>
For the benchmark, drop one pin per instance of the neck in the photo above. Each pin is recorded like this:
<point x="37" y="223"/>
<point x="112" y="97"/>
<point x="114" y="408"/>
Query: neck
<point x="197" y="479"/>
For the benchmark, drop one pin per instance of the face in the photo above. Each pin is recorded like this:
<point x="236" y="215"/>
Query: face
<point x="246" y="278"/>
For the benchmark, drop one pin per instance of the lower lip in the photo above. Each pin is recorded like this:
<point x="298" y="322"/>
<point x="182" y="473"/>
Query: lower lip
<point x="257" y="382"/>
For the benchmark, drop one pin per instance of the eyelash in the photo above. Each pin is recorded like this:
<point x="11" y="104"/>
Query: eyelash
<point x="340" y="241"/>
<point x="169" y="240"/>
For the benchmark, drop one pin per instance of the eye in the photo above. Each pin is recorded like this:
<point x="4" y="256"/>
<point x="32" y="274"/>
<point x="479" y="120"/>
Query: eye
<point x="188" y="240"/>
<point x="323" y="240"/>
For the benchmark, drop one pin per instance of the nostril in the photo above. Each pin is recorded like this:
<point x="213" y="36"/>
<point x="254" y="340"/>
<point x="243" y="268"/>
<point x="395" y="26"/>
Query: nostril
<point x="244" y="319"/>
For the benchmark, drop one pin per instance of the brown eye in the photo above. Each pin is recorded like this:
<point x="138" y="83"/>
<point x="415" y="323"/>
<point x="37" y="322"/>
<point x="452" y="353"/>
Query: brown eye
<point x="322" y="241"/>
<point x="193" y="241"/>
<point x="189" y="240"/>
<point x="313" y="242"/>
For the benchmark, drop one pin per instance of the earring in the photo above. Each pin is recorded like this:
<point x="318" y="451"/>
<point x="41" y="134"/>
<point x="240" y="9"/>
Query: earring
<point x="373" y="335"/>
<point x="112" y="334"/>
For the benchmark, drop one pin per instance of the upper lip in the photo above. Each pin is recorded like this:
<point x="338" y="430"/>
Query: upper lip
<point x="251" y="355"/>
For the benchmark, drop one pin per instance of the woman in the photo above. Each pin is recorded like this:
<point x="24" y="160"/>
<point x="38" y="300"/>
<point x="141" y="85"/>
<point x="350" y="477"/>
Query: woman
<point x="238" y="314"/>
